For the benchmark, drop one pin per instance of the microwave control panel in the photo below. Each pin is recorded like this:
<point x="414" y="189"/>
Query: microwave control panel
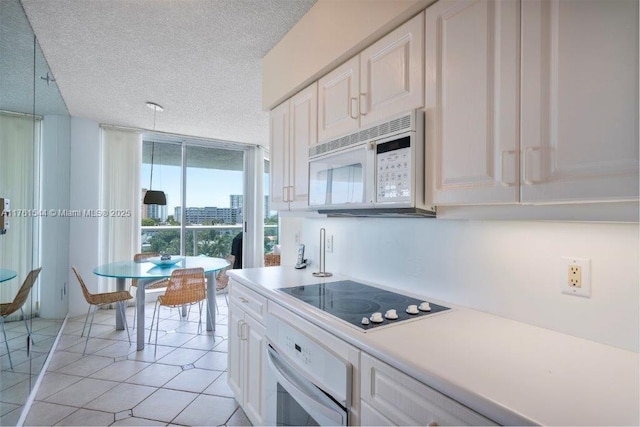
<point x="393" y="171"/>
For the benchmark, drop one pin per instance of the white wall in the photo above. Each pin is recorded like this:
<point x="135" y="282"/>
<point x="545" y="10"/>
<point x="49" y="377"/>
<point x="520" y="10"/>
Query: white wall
<point x="83" y="232"/>
<point x="54" y="249"/>
<point x="509" y="268"/>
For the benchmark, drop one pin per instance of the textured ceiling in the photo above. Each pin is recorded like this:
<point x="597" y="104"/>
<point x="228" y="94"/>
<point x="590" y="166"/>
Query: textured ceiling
<point x="200" y="59"/>
<point x="22" y="67"/>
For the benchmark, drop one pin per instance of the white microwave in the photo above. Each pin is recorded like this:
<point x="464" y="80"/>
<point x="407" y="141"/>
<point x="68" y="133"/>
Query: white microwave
<point x="378" y="171"/>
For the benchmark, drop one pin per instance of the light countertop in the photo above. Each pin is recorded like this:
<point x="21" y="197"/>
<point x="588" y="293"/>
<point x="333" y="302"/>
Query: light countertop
<point x="511" y="372"/>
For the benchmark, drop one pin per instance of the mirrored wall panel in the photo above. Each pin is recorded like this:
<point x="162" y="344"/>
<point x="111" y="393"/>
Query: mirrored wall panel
<point x="34" y="177"/>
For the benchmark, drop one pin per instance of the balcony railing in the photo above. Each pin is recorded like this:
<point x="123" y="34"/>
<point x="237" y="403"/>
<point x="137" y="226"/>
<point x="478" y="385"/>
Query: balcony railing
<point x="210" y="240"/>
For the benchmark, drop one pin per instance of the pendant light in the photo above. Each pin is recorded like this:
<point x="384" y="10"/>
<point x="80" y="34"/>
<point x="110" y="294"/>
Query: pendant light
<point x="154" y="197"/>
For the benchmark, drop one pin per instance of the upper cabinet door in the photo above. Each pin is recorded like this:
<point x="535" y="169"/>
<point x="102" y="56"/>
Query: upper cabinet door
<point x="472" y="66"/>
<point x="303" y="133"/>
<point x="392" y="73"/>
<point x="279" y="153"/>
<point x="338" y="97"/>
<point x="579" y="100"/>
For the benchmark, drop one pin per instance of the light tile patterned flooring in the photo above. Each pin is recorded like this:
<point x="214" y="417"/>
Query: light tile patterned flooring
<point x="16" y="383"/>
<point x="185" y="384"/>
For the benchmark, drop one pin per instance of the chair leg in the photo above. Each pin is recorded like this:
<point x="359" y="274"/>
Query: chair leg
<point x="89" y="331"/>
<point x="135" y="314"/>
<point x="6" y="342"/>
<point x="155" y="347"/>
<point x="124" y="318"/>
<point x="153" y="318"/>
<point x="200" y="318"/>
<point x="85" y="321"/>
<point x="27" y="326"/>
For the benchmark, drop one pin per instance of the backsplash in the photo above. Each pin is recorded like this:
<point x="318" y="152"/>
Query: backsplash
<point x="509" y="268"/>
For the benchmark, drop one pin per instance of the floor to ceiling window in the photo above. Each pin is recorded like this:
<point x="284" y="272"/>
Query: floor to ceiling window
<point x="271" y="230"/>
<point x="204" y="187"/>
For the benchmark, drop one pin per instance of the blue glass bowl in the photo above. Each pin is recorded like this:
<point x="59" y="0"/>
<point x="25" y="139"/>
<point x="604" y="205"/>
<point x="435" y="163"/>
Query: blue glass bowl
<point x="166" y="262"/>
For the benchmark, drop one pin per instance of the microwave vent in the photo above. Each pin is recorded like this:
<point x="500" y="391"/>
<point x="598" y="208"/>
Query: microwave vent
<point x="400" y="124"/>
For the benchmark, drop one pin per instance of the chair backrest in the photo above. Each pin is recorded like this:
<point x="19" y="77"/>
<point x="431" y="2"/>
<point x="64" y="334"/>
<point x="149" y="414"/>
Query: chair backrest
<point x="87" y="295"/>
<point x="23" y="293"/>
<point x="142" y="257"/>
<point x="222" y="280"/>
<point x="186" y="286"/>
<point x="271" y="260"/>
<point x="145" y="255"/>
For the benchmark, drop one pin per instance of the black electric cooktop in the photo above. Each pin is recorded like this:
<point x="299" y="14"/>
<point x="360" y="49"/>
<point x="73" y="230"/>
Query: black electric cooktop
<point x="351" y="301"/>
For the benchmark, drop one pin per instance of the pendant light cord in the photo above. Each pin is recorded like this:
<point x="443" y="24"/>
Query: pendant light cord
<point x="153" y="147"/>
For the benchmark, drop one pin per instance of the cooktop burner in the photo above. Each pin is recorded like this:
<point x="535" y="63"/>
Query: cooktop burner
<point x="353" y="302"/>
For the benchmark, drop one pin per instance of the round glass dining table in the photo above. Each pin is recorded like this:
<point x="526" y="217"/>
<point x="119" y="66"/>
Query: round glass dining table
<point x="147" y="272"/>
<point x="6" y="274"/>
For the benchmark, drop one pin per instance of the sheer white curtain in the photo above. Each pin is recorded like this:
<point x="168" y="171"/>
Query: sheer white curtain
<point x="19" y="137"/>
<point x="120" y="198"/>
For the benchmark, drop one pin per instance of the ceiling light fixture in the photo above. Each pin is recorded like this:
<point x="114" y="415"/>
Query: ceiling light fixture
<point x="152" y="197"/>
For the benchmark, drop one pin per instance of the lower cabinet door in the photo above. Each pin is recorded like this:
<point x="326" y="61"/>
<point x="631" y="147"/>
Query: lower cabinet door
<point x="235" y="356"/>
<point x="404" y="401"/>
<point x="255" y="348"/>
<point x="371" y="417"/>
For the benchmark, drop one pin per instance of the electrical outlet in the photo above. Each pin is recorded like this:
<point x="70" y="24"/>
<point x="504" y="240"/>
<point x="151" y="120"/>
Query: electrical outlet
<point x="329" y="244"/>
<point x="574" y="278"/>
<point x="577" y="279"/>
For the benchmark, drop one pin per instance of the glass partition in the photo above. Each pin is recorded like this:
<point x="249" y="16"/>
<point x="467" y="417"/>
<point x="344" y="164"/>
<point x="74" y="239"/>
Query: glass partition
<point x="34" y="152"/>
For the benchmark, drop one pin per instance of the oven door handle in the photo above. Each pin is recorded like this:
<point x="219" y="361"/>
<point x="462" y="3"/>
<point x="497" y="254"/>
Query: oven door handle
<point x="304" y="391"/>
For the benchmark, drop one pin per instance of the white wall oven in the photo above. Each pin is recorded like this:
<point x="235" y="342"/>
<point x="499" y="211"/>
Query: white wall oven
<point x="305" y="383"/>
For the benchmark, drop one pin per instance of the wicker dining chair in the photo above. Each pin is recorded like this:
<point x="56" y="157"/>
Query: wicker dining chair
<point x="222" y="281"/>
<point x="271" y="260"/>
<point x="96" y="300"/>
<point x="151" y="287"/>
<point x="187" y="286"/>
<point x="15" y="305"/>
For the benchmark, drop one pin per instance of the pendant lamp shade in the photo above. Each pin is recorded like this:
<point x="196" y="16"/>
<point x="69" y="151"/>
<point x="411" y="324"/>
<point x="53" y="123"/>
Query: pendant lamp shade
<point x="154" y="197"/>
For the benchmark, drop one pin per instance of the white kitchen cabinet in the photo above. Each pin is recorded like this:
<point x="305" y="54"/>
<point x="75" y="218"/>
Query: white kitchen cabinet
<point x="293" y="129"/>
<point x="370" y="417"/>
<point x="579" y="122"/>
<point x="472" y="100"/>
<point x="382" y="81"/>
<point x="338" y="93"/>
<point x="391" y="397"/>
<point x="247" y="347"/>
<point x="538" y="105"/>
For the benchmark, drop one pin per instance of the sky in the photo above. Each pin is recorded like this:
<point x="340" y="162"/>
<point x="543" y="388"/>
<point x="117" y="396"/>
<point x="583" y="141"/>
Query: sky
<point x="205" y="187"/>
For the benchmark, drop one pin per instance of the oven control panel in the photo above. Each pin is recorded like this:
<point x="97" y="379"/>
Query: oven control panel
<point x="301" y="351"/>
<point x="313" y="360"/>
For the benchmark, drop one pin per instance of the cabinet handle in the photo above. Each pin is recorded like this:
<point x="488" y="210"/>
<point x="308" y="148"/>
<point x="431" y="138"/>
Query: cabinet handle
<point x="525" y="162"/>
<point x="289" y="193"/>
<point x="285" y="194"/>
<point x="354" y="116"/>
<point x="243" y="300"/>
<point x="243" y="336"/>
<point x="502" y="181"/>
<point x="363" y="105"/>
<point x="239" y="331"/>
